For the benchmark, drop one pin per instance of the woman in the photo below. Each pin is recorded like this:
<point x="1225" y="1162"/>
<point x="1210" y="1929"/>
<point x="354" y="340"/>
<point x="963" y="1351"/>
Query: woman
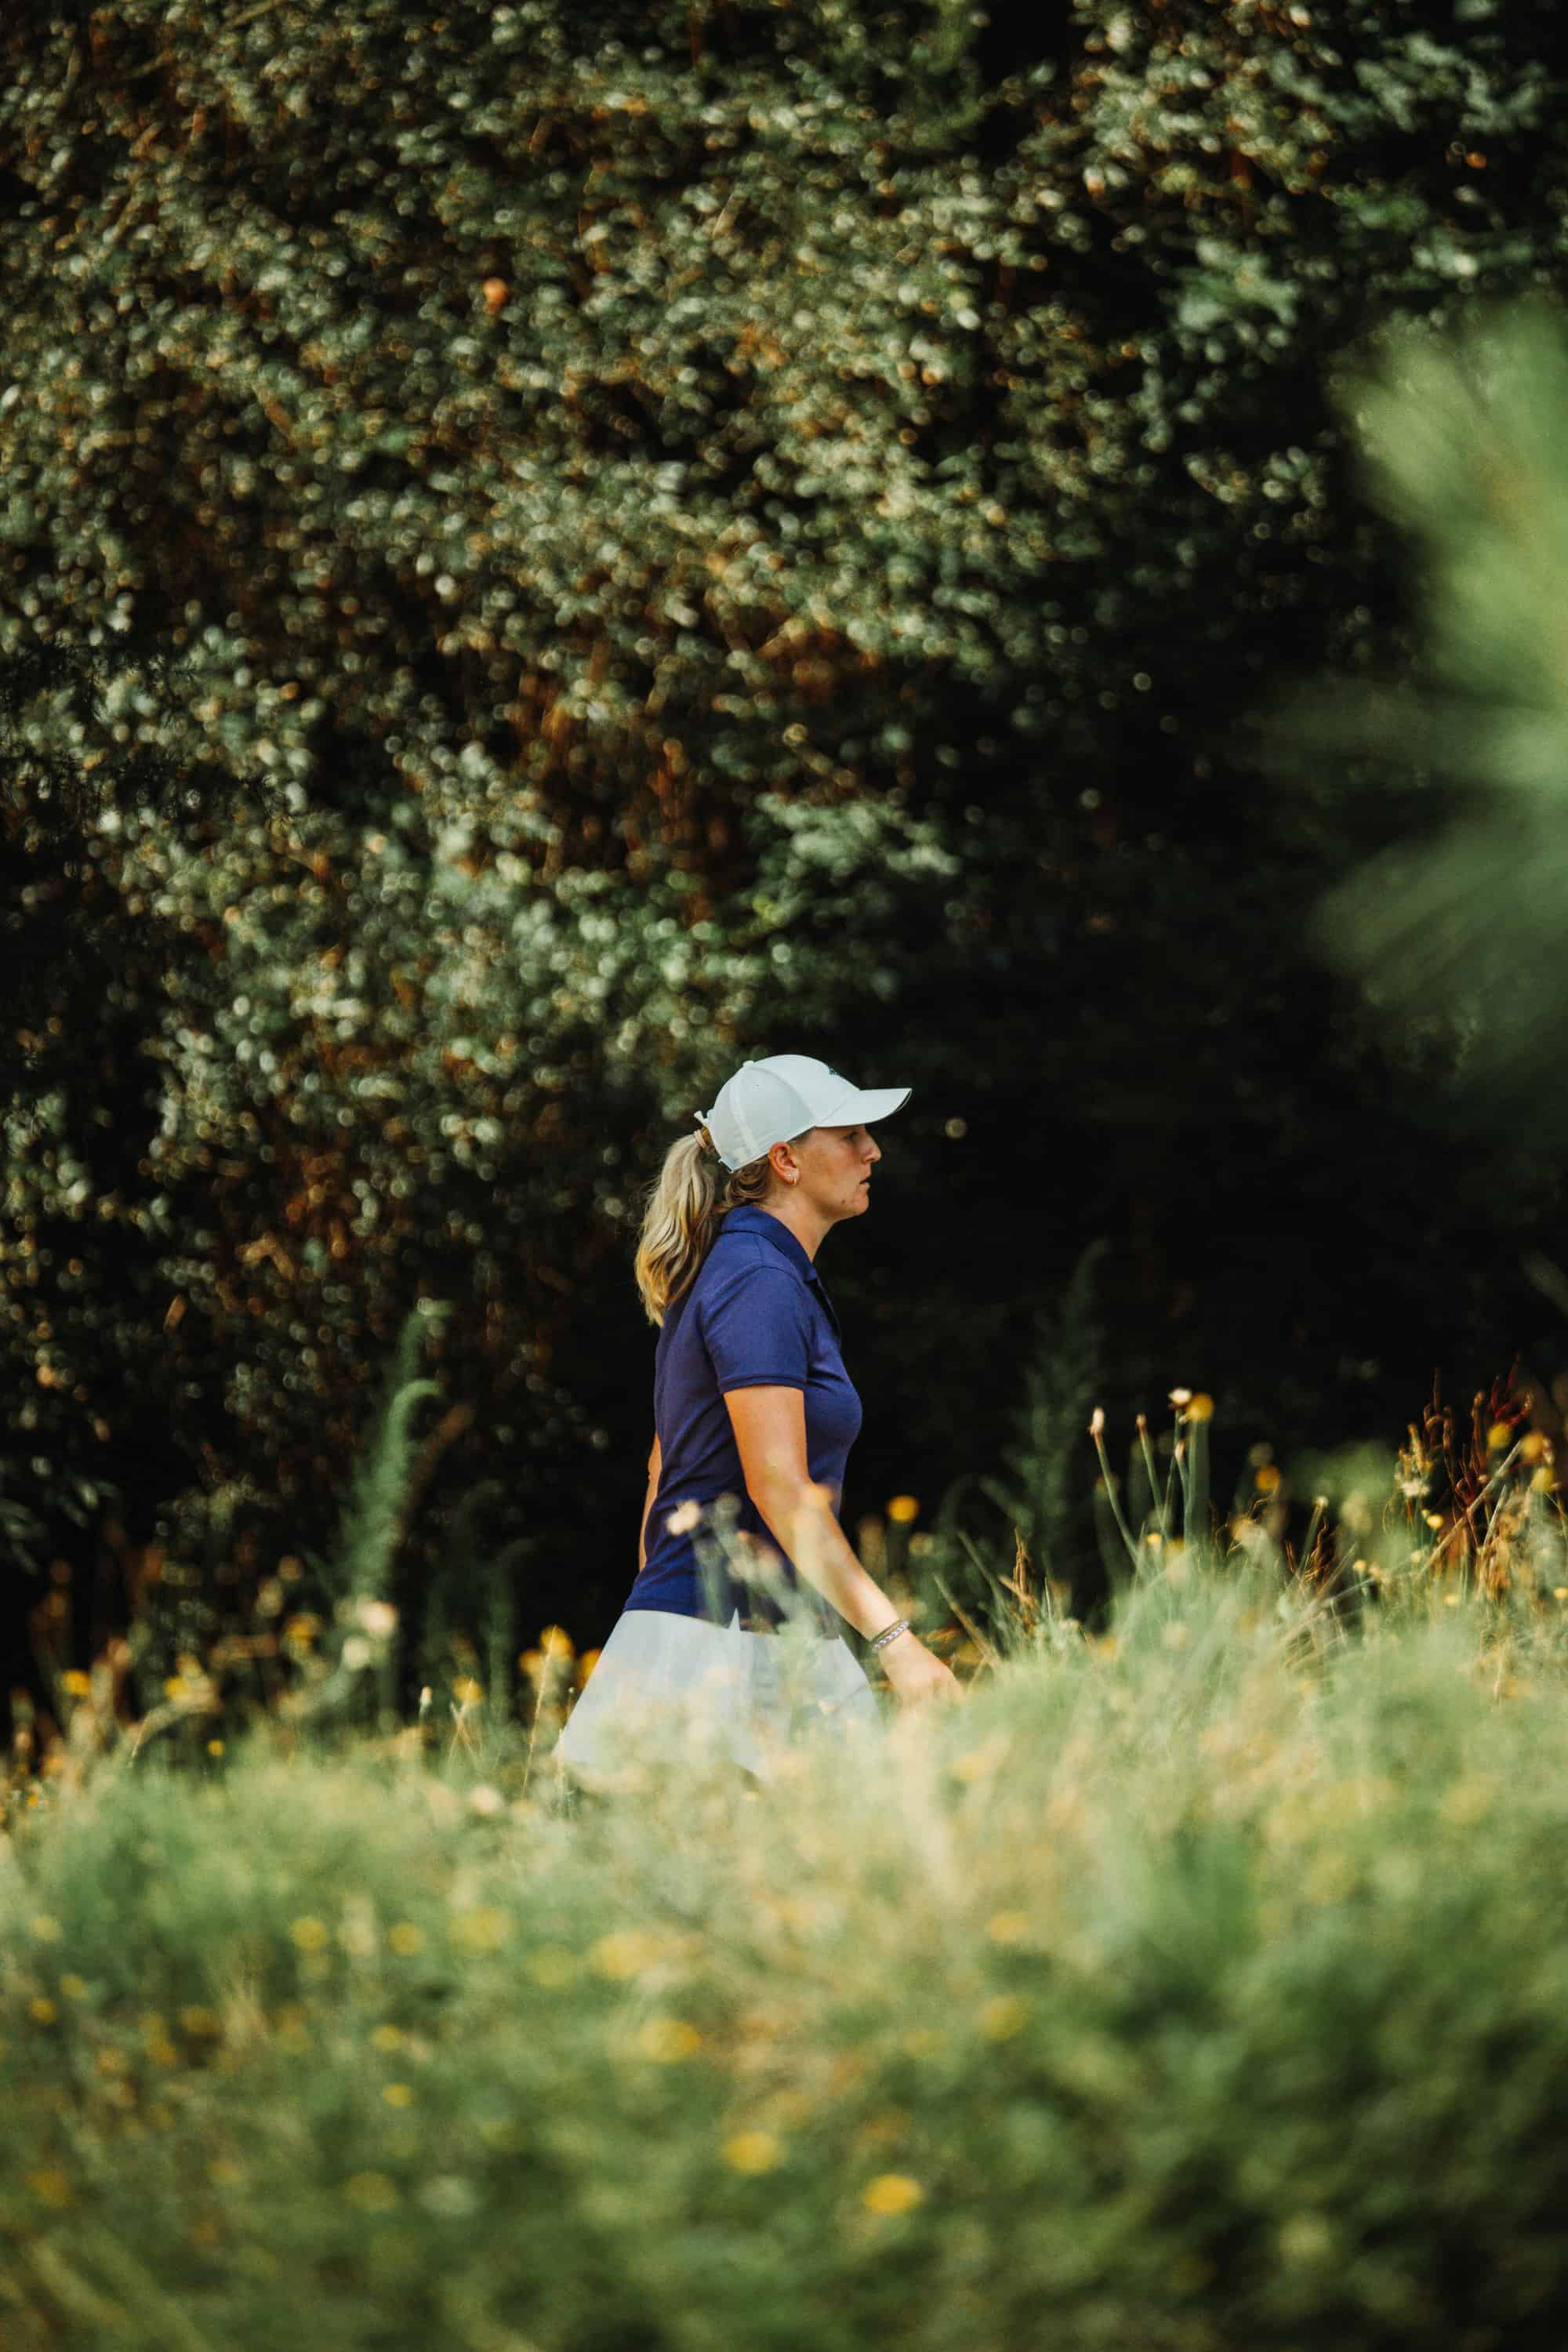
<point x="751" y="1401"/>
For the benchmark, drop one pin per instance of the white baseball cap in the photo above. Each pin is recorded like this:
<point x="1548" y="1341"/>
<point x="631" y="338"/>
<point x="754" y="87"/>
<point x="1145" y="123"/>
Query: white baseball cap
<point x="768" y="1102"/>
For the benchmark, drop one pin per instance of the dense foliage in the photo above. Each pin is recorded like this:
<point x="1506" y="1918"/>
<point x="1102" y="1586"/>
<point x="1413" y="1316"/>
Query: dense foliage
<point x="647" y="533"/>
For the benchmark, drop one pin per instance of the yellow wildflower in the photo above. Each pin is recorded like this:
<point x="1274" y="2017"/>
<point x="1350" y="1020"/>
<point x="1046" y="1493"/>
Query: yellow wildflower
<point x="903" y="1509"/>
<point x="42" y="2010"/>
<point x="1003" y="2016"/>
<point x="51" y="2187"/>
<point x="752" y="2151"/>
<point x="398" y="2094"/>
<point x="75" y="1684"/>
<point x="310" y="1935"/>
<point x="484" y="1929"/>
<point x="627" y="1954"/>
<point x="387" y="2037"/>
<point x="1007" y="1927"/>
<point x="892" y="2193"/>
<point x="405" y="1939"/>
<point x="668" y="2040"/>
<point x="74" y="1987"/>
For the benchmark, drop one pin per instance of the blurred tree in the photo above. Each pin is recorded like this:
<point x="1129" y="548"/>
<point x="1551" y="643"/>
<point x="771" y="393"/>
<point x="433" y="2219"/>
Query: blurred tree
<point x="683" y="530"/>
<point x="1462" y="923"/>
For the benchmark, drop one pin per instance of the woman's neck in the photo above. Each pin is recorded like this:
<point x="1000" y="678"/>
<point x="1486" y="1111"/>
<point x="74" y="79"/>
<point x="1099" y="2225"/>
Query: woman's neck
<point x="800" y="1218"/>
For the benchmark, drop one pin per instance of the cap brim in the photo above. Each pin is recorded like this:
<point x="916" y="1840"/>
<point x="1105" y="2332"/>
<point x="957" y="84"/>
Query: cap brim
<point x="860" y="1105"/>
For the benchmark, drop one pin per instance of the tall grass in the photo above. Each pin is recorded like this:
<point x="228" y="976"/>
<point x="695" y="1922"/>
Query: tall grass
<point x="1198" y="1985"/>
<point x="1203" y="1985"/>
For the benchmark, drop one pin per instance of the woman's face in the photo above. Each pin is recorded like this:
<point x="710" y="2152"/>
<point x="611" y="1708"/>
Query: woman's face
<point x="836" y="1164"/>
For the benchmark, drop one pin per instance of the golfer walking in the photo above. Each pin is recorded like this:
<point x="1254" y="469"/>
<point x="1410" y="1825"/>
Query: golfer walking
<point x="752" y="1401"/>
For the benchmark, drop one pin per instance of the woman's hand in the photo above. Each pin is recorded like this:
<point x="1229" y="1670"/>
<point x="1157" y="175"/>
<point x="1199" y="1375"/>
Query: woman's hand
<point x="916" y="1674"/>
<point x="770" y="1437"/>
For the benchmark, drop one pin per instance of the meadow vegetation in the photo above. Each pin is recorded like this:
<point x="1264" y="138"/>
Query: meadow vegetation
<point x="1195" y="1984"/>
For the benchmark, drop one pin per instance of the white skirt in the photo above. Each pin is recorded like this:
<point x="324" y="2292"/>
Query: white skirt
<point x="741" y="1695"/>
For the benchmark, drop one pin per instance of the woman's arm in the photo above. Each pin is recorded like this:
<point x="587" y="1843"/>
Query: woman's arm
<point x="770" y="1433"/>
<point x="653" y="1467"/>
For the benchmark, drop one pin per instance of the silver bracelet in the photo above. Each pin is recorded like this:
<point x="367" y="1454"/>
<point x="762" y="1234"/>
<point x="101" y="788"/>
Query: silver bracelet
<point x="888" y="1634"/>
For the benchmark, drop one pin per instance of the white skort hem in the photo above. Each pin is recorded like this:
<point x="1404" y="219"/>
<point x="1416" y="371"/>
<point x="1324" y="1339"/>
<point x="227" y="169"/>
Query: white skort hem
<point x="733" y="1693"/>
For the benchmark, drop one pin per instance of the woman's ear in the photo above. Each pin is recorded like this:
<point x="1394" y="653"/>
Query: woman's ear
<point x="784" y="1163"/>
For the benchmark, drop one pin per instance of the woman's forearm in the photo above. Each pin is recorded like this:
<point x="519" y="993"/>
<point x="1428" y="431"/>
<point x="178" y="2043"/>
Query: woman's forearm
<point x="655" y="1465"/>
<point x="803" y="1526"/>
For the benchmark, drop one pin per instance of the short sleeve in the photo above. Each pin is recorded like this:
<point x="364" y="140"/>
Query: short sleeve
<point x="756" y="1328"/>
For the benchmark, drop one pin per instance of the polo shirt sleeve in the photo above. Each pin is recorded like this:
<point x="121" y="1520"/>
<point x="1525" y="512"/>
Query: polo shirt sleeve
<point x="756" y="1328"/>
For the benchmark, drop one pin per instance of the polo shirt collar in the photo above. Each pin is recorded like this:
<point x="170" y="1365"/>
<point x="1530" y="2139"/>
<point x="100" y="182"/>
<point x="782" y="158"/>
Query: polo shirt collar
<point x="749" y="1220"/>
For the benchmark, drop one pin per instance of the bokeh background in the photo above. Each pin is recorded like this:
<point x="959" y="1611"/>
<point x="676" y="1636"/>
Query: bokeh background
<point x="547" y="549"/>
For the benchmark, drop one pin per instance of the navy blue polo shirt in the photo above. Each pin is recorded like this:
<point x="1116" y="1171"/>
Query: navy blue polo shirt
<point x="756" y="1317"/>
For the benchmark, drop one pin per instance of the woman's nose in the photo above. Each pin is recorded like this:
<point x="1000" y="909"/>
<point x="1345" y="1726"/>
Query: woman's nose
<point x="873" y="1149"/>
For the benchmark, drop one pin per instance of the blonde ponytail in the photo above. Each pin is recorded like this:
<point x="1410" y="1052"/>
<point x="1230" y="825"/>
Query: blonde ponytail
<point x="690" y="1195"/>
<point x="679" y="1223"/>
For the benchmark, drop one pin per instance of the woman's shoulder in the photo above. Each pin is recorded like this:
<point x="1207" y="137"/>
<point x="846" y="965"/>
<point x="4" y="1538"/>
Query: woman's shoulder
<point x="738" y="1260"/>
